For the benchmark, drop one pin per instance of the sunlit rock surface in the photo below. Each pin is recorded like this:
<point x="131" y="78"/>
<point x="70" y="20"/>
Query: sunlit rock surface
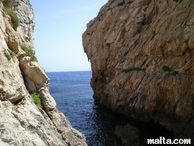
<point x="21" y="121"/>
<point x="142" y="59"/>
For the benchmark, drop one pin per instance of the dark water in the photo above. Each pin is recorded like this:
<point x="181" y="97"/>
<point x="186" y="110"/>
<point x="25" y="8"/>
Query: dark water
<point x="73" y="95"/>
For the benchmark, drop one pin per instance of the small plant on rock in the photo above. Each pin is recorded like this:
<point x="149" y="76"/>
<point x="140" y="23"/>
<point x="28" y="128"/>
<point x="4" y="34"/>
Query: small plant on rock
<point x="36" y="98"/>
<point x="121" y="3"/>
<point x="28" y="52"/>
<point x="8" y="4"/>
<point x="179" y="1"/>
<point x="133" y="69"/>
<point x="168" y="69"/>
<point x="9" y="54"/>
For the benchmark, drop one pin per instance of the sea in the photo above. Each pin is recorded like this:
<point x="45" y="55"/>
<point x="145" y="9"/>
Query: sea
<point x="74" y="97"/>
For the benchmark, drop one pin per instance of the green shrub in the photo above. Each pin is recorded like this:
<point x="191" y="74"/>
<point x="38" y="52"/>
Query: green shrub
<point x="28" y="52"/>
<point x="8" y="4"/>
<point x="133" y="69"/>
<point x="166" y="68"/>
<point x="136" y="42"/>
<point x="9" y="54"/>
<point x="14" y="20"/>
<point x="179" y="1"/>
<point x="121" y="3"/>
<point x="36" y="98"/>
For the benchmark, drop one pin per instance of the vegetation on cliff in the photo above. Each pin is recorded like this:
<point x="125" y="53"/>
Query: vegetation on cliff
<point x="36" y="98"/>
<point x="132" y="69"/>
<point x="8" y="4"/>
<point x="9" y="54"/>
<point x="28" y="52"/>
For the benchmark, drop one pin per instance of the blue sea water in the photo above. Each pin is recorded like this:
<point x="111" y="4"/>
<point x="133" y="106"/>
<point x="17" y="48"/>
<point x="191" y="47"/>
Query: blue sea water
<point x="73" y="95"/>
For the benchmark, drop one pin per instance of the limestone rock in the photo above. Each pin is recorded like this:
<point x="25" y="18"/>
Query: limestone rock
<point x="47" y="100"/>
<point x="25" y="15"/>
<point x="34" y="72"/>
<point x="141" y="54"/>
<point x="69" y="134"/>
<point x="37" y="80"/>
<point x="21" y="121"/>
<point x="11" y="37"/>
<point x="11" y="81"/>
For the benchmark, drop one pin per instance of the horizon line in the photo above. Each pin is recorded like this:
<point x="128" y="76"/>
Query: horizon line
<point x="68" y="71"/>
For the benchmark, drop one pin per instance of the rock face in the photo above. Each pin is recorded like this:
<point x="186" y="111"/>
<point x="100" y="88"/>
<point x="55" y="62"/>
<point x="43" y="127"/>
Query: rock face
<point x="25" y="15"/>
<point x="142" y="59"/>
<point x="21" y="121"/>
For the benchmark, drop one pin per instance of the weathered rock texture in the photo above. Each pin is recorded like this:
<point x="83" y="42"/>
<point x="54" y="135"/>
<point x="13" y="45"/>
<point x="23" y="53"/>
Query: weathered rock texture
<point x="142" y="59"/>
<point x="25" y="15"/>
<point x="22" y="123"/>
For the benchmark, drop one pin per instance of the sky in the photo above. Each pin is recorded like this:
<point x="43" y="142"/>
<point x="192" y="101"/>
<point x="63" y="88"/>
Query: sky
<point x="59" y="26"/>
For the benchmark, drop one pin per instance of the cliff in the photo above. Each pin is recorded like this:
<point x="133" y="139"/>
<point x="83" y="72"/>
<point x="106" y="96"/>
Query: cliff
<point x="22" y="122"/>
<point x="142" y="59"/>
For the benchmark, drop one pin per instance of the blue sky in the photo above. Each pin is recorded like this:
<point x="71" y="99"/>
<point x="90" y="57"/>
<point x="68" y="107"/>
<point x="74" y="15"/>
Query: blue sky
<point x="59" y="26"/>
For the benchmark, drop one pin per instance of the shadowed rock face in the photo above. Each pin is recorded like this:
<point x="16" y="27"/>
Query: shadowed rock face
<point x="142" y="59"/>
<point x="128" y="134"/>
<point x="21" y="121"/>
